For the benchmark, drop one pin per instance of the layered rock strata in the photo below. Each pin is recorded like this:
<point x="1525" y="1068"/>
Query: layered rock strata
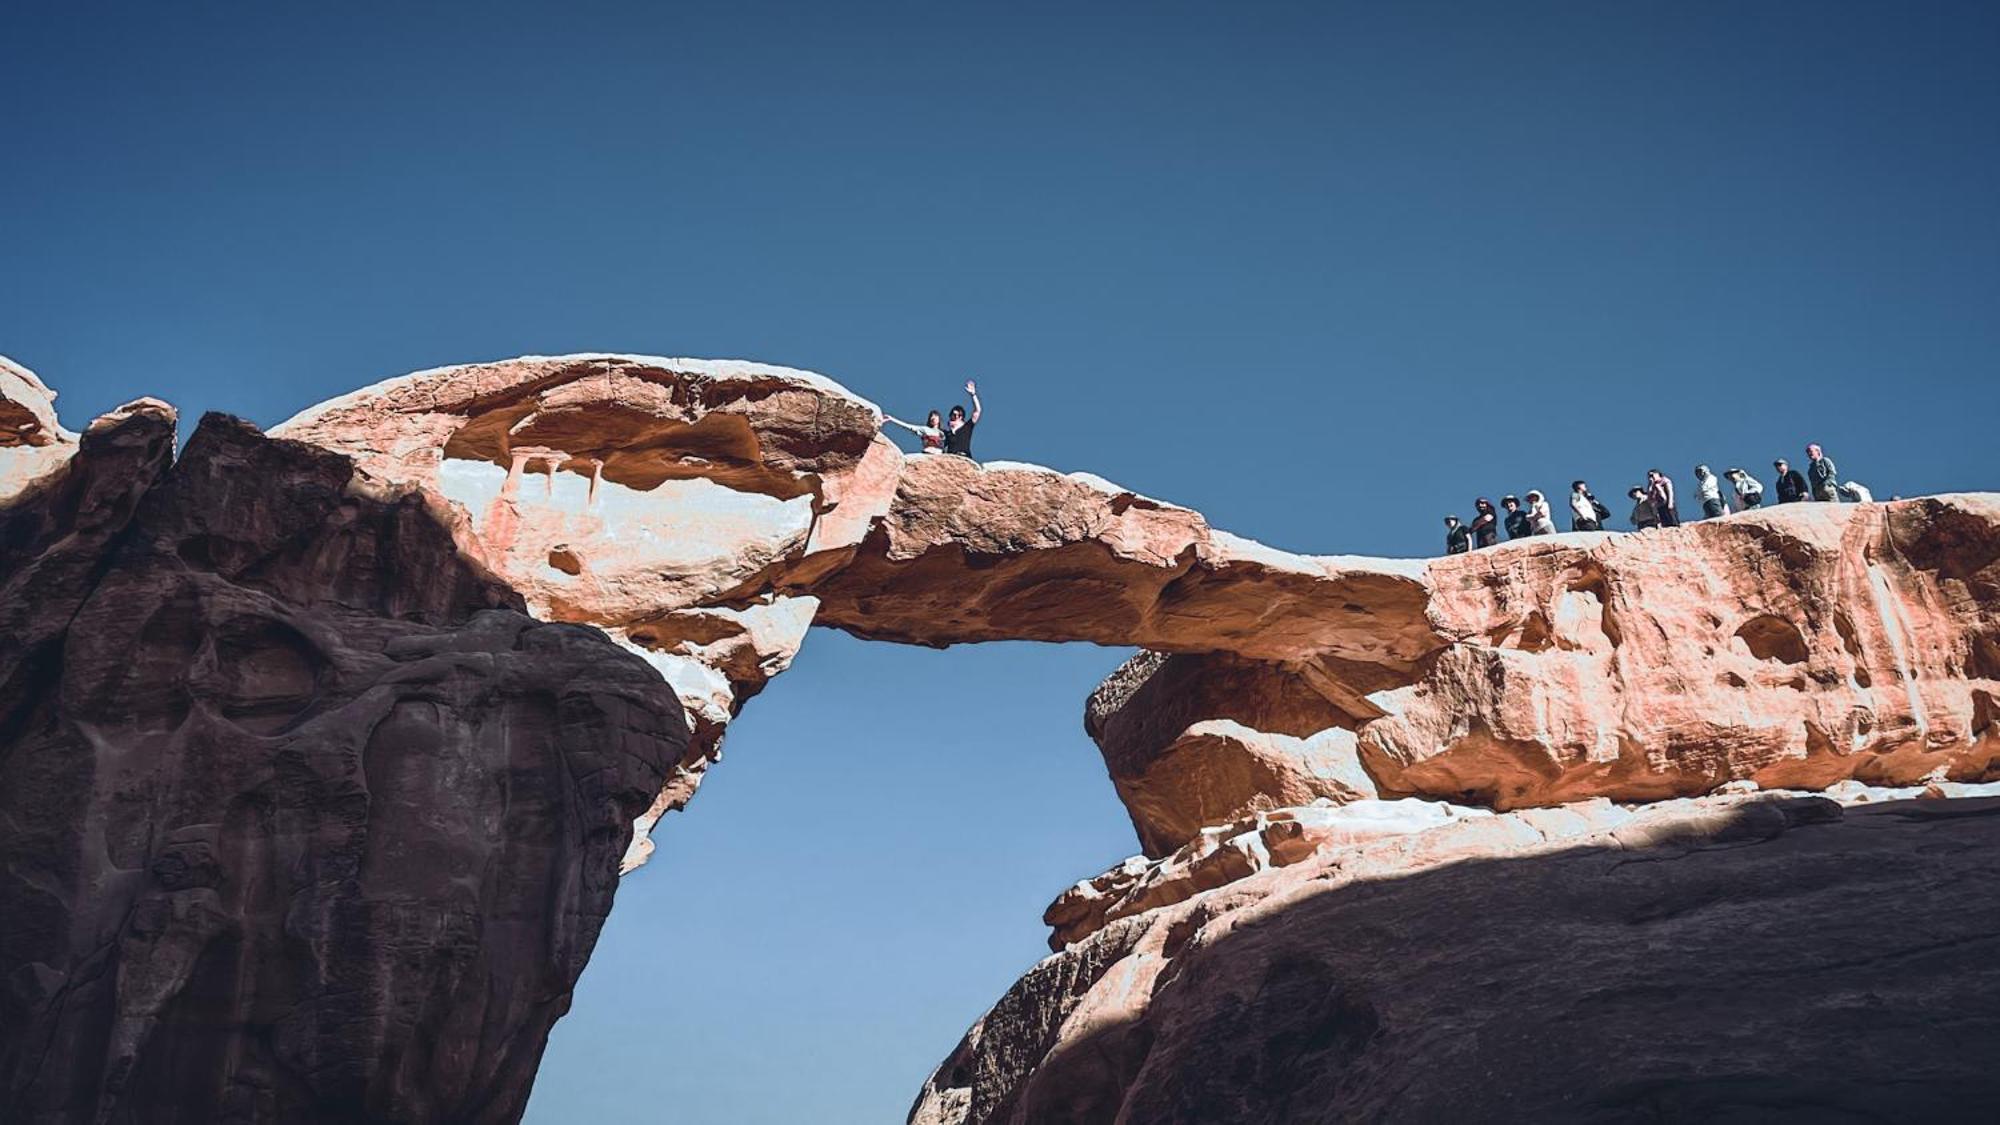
<point x="303" y="817"/>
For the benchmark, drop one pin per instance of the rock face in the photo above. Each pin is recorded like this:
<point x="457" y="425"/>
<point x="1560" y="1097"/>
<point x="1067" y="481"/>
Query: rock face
<point x="304" y="818"/>
<point x="1703" y="961"/>
<point x="319" y="754"/>
<point x="1794" y="647"/>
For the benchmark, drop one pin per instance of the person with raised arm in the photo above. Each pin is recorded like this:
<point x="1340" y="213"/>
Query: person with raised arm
<point x="958" y="427"/>
<point x="931" y="433"/>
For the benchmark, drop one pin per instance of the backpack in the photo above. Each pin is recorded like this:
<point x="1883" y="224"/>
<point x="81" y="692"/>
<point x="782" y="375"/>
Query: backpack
<point x="1603" y="513"/>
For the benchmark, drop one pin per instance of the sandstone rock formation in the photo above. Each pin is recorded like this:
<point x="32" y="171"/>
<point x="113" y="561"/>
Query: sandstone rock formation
<point x="303" y="818"/>
<point x="1721" y="959"/>
<point x="1795" y="647"/>
<point x="318" y="753"/>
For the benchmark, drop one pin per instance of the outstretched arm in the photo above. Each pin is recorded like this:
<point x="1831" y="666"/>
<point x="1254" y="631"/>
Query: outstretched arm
<point x="974" y="392"/>
<point x="894" y="421"/>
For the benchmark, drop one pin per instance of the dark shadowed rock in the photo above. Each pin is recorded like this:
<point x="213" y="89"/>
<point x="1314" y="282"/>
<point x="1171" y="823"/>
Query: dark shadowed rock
<point x="304" y="819"/>
<point x="1766" y="963"/>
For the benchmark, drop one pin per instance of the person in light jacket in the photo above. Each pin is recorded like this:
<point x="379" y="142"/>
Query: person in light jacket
<point x="1821" y="475"/>
<point x="1709" y="489"/>
<point x="1540" y="521"/>
<point x="1749" y="490"/>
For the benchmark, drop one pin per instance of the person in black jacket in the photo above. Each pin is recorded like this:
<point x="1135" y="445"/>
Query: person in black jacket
<point x="958" y="428"/>
<point x="1791" y="483"/>
<point x="1457" y="540"/>
<point x="1517" y="520"/>
<point x="1485" y="523"/>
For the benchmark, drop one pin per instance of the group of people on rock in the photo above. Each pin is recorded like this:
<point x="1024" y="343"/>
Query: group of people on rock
<point x="1653" y="503"/>
<point x="951" y="435"/>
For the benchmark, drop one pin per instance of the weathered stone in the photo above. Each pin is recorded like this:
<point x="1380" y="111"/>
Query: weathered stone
<point x="304" y="819"/>
<point x="1719" y="966"/>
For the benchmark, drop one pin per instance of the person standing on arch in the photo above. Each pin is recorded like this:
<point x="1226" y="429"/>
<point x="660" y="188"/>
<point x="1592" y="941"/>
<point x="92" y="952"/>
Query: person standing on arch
<point x="1824" y="478"/>
<point x="958" y="427"/>
<point x="1660" y="491"/>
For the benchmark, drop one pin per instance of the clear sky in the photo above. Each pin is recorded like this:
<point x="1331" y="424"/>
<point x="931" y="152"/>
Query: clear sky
<point x="1324" y="271"/>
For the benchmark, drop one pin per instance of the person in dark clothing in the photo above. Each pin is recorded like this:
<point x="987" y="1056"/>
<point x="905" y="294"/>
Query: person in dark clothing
<point x="1517" y="520"/>
<point x="1821" y="475"/>
<point x="1643" y="515"/>
<point x="1791" y="483"/>
<point x="958" y="428"/>
<point x="1660" y="491"/>
<point x="1457" y="540"/>
<point x="1485" y="523"/>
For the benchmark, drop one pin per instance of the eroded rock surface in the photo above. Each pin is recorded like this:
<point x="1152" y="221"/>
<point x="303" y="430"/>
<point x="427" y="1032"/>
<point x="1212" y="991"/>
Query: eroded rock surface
<point x="1702" y="960"/>
<point x="319" y="769"/>
<point x="1794" y="647"/>
<point x="304" y="818"/>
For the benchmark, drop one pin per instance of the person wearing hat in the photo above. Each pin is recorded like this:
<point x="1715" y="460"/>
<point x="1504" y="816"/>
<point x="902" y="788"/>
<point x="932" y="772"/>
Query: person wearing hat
<point x="1643" y="515"/>
<point x="1517" y="520"/>
<point x="1457" y="540"/>
<point x="1749" y="490"/>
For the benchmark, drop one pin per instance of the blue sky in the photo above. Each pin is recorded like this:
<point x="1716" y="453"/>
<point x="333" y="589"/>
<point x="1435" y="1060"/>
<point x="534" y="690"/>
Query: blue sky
<point x="1324" y="271"/>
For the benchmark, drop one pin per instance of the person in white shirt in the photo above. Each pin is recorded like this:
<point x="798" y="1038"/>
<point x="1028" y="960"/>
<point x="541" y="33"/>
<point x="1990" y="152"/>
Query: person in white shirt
<point x="1749" y="490"/>
<point x="1585" y="513"/>
<point x="1540" y="522"/>
<point x="1709" y="490"/>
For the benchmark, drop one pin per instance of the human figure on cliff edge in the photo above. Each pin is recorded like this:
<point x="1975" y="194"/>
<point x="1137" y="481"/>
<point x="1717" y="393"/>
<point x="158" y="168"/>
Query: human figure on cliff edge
<point x="1791" y="482"/>
<point x="1643" y="515"/>
<point x="1708" y="488"/>
<point x="1586" y="512"/>
<point x="1660" y="491"/>
<point x="1749" y="490"/>
<point x="1820" y="473"/>
<point x="958" y="428"/>
<point x="1541" y="521"/>
<point x="931" y="433"/>
<point x="1457" y="540"/>
<point x="1485" y="523"/>
<point x="1517" y="520"/>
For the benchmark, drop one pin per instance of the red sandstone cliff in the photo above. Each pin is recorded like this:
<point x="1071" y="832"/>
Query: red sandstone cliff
<point x="295" y="730"/>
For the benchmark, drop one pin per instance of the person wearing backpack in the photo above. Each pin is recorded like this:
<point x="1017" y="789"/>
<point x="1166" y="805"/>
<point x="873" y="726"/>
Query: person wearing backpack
<point x="1749" y="490"/>
<point x="1586" y="512"/>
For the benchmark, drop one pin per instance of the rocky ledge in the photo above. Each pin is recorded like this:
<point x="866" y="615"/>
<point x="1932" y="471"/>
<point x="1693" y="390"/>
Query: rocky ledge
<point x="318" y="753"/>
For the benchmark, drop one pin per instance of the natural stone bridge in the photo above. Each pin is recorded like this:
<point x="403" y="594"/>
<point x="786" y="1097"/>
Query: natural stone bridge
<point x="312" y="793"/>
